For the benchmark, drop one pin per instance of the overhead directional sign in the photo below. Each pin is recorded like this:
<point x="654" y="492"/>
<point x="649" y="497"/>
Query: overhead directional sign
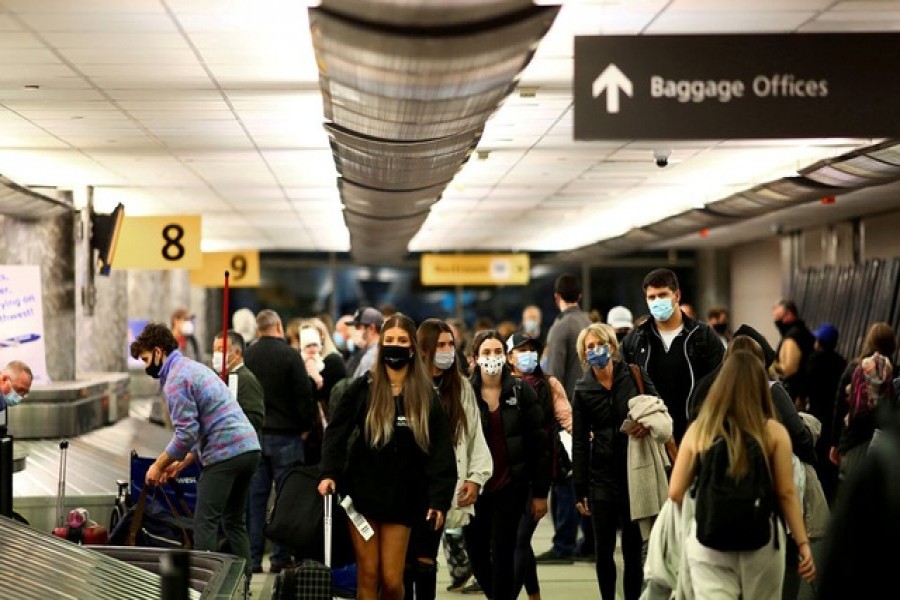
<point x="475" y="269"/>
<point x="242" y="267"/>
<point x="159" y="243"/>
<point x="737" y="86"/>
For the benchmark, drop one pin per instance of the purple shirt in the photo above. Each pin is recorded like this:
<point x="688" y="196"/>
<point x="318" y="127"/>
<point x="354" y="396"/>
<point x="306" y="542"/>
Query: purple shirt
<point x="205" y="415"/>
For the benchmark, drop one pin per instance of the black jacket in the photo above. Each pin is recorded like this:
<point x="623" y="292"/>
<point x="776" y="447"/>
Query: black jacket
<point x="699" y="352"/>
<point x="599" y="464"/>
<point x="290" y="407"/>
<point x="390" y="483"/>
<point x="523" y="428"/>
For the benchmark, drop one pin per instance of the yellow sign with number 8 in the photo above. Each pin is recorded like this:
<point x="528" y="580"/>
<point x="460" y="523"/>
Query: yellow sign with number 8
<point x="159" y="243"/>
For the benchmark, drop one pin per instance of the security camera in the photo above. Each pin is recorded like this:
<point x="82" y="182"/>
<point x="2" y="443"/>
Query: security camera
<point x="661" y="157"/>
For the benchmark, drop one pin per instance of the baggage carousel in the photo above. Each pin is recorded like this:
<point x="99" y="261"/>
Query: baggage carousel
<point x="37" y="565"/>
<point x="96" y="460"/>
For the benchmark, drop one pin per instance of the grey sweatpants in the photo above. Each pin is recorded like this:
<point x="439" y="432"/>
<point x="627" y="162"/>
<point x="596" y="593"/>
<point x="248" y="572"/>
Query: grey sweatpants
<point x="717" y="575"/>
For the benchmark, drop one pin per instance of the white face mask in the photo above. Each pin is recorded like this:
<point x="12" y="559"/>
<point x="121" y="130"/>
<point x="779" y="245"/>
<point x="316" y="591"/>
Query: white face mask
<point x="187" y="328"/>
<point x="443" y="359"/>
<point x="217" y="362"/>
<point x="492" y="365"/>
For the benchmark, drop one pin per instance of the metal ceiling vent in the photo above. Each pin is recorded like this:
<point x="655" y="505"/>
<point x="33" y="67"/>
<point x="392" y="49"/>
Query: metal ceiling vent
<point x="407" y="87"/>
<point x="869" y="166"/>
<point x="24" y="203"/>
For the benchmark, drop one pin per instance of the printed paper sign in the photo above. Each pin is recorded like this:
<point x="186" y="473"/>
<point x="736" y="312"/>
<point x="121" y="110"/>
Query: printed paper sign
<point x="22" y="319"/>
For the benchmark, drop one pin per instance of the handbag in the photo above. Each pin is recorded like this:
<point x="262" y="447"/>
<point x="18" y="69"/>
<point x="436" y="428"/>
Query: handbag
<point x="671" y="445"/>
<point x="151" y="524"/>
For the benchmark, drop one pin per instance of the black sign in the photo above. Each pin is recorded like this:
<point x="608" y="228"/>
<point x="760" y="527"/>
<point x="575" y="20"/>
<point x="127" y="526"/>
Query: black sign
<point x="737" y="86"/>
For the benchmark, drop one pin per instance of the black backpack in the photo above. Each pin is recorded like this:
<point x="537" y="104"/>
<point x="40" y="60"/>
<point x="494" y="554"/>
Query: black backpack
<point x="734" y="514"/>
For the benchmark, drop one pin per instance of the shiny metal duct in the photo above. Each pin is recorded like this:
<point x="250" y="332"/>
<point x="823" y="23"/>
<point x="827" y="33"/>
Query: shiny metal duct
<point x="407" y="87"/>
<point x="869" y="166"/>
<point x="24" y="203"/>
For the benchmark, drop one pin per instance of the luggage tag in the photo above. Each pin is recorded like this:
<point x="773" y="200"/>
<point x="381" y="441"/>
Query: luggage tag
<point x="359" y="521"/>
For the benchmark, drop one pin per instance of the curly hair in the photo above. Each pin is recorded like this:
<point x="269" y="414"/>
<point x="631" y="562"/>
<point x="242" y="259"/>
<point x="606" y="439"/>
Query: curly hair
<point x="154" y="335"/>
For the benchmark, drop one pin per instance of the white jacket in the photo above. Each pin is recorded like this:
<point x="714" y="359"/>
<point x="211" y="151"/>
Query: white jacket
<point x="666" y="573"/>
<point x="648" y="484"/>
<point x="473" y="458"/>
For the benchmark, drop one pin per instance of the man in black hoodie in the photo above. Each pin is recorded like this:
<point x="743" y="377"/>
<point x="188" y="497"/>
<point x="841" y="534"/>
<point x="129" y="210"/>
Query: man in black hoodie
<point x="676" y="351"/>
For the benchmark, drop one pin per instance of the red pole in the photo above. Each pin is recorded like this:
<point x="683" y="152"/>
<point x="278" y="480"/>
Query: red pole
<point x="225" y="331"/>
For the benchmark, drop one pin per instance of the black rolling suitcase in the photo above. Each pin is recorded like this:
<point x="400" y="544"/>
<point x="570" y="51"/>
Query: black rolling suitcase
<point x="310" y="579"/>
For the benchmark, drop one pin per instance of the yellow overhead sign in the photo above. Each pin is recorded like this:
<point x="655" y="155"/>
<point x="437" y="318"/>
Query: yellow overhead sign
<point x="159" y="243"/>
<point x="242" y="267"/>
<point x="475" y="269"/>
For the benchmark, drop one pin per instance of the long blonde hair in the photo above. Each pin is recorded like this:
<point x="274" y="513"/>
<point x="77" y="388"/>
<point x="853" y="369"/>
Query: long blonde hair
<point x="736" y="409"/>
<point x="418" y="392"/>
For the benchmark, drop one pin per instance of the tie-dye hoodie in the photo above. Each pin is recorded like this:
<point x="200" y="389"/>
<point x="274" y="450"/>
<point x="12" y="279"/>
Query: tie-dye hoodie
<point x="207" y="419"/>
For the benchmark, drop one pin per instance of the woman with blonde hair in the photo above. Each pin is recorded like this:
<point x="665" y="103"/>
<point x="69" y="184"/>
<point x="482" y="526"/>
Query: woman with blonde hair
<point x="601" y="428"/>
<point x="739" y="412"/>
<point x="400" y="467"/>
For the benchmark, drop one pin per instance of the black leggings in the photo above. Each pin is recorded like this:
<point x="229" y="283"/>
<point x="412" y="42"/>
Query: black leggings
<point x="491" y="540"/>
<point x="608" y="517"/>
<point x="526" y="568"/>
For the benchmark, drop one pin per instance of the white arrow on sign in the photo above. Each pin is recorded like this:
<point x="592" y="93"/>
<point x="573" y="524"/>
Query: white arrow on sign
<point x="612" y="81"/>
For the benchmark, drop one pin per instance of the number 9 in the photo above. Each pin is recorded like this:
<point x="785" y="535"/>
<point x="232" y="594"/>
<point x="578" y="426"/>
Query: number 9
<point x="239" y="266"/>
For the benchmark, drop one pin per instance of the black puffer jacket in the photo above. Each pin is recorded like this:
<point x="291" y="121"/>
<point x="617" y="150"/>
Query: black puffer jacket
<point x="599" y="466"/>
<point x="523" y="428"/>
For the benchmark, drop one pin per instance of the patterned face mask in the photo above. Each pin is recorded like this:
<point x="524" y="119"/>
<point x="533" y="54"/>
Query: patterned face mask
<point x="492" y="365"/>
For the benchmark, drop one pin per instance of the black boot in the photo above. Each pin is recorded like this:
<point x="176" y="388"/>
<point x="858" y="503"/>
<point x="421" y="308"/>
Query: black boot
<point x="426" y="581"/>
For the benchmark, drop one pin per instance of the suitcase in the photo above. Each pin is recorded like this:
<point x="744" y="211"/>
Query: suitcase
<point x="310" y="579"/>
<point x="77" y="526"/>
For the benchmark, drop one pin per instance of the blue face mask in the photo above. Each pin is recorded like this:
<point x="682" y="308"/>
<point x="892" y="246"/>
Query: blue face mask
<point x="338" y="338"/>
<point x="532" y="327"/>
<point x="12" y="398"/>
<point x="527" y="361"/>
<point x="598" y="356"/>
<point x="661" y="308"/>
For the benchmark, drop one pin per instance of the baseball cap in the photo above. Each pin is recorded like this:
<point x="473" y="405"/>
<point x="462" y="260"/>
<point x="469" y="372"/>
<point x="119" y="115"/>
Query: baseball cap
<point x="520" y="338"/>
<point x="367" y="316"/>
<point x="827" y="334"/>
<point x="620" y="317"/>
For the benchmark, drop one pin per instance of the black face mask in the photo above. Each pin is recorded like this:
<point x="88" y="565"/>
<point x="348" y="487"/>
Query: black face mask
<point x="782" y="327"/>
<point x="395" y="357"/>
<point x="154" y="368"/>
<point x="720" y="328"/>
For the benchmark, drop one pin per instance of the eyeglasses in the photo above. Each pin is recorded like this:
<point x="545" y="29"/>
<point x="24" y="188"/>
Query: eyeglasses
<point x="21" y="393"/>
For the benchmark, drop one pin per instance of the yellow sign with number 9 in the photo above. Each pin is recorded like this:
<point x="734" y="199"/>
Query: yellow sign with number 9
<point x="242" y="267"/>
<point x="159" y="243"/>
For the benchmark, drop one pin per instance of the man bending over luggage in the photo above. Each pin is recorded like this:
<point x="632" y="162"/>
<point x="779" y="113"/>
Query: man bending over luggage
<point x="211" y="427"/>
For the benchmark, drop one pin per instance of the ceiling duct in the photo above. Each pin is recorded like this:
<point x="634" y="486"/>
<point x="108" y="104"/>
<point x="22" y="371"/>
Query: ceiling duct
<point x="403" y="13"/>
<point x="24" y="203"/>
<point x="387" y="204"/>
<point x="888" y="152"/>
<point x="686" y="222"/>
<point x="854" y="171"/>
<point x="407" y="86"/>
<point x="865" y="167"/>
